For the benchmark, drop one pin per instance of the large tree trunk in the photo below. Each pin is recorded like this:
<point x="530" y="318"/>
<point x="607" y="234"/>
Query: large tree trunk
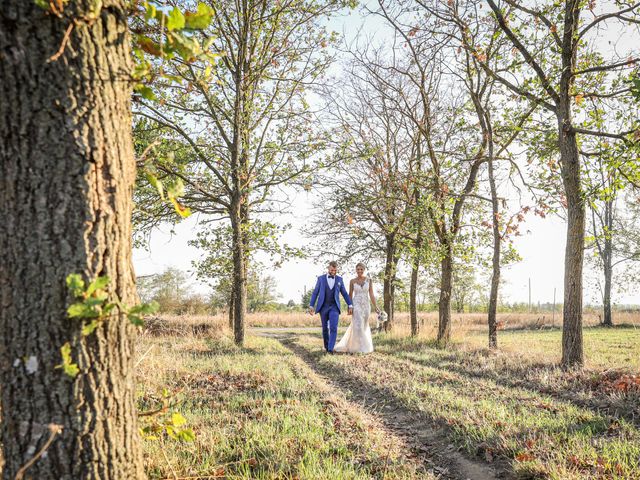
<point x="497" y="240"/>
<point x="444" y="305"/>
<point x="495" y="284"/>
<point x="66" y="180"/>
<point x="239" y="224"/>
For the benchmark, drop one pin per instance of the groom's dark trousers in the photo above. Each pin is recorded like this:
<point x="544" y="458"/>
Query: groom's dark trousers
<point x="329" y="314"/>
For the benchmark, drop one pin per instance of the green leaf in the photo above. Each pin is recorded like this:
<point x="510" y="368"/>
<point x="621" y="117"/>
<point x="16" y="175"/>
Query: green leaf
<point x="44" y="4"/>
<point x="200" y="19"/>
<point x="80" y="310"/>
<point x="187" y="47"/>
<point x="89" y="328"/>
<point x="156" y="183"/>
<point x="208" y="42"/>
<point x="145" y="308"/>
<point x="96" y="300"/>
<point x="146" y="92"/>
<point x="106" y="310"/>
<point x="180" y="209"/>
<point x="75" y="283"/>
<point x="136" y="320"/>
<point x="186" y="435"/>
<point x="134" y="314"/>
<point x="175" y="20"/>
<point x="150" y="11"/>
<point x="173" y="193"/>
<point x="67" y="366"/>
<point x="98" y="284"/>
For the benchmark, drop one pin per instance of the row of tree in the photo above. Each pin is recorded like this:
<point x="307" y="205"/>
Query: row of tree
<point x="432" y="133"/>
<point x="466" y="105"/>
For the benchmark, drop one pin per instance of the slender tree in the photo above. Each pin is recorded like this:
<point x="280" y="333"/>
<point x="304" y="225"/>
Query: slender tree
<point x="454" y="151"/>
<point x="244" y="117"/>
<point x="369" y="197"/>
<point x="558" y="70"/>
<point x="613" y="223"/>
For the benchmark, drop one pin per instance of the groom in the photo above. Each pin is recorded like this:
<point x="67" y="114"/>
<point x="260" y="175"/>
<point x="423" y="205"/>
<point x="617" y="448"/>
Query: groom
<point x="327" y="294"/>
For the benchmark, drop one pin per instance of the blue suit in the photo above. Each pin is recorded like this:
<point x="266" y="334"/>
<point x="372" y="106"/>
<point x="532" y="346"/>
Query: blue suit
<point x="326" y="302"/>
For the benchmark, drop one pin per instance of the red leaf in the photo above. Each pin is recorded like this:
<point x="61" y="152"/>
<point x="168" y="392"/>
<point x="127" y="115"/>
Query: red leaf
<point x="525" y="457"/>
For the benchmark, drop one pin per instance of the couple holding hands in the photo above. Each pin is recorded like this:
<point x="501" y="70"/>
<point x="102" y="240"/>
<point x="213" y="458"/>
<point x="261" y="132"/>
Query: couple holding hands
<point x="325" y="300"/>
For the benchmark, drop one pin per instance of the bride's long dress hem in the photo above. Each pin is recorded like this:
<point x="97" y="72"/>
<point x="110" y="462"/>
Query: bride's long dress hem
<point x="357" y="338"/>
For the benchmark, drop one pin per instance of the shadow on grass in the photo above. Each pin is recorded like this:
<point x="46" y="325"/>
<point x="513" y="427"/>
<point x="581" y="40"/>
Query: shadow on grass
<point x="522" y="377"/>
<point x="415" y="425"/>
<point x="460" y="431"/>
<point x="217" y="347"/>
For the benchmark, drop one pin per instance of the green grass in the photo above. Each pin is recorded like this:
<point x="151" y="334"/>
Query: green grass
<point x="603" y="347"/>
<point x="259" y="412"/>
<point x="256" y="415"/>
<point x="519" y="408"/>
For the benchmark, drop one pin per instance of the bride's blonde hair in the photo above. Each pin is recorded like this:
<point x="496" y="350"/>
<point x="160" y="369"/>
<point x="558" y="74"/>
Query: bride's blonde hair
<point x="360" y="264"/>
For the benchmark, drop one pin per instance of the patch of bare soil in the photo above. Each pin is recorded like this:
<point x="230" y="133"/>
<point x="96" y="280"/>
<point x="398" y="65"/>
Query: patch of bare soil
<point x="426" y="441"/>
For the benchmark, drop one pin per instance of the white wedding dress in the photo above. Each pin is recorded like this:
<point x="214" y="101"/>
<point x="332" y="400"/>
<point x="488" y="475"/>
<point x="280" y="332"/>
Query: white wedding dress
<point x="357" y="338"/>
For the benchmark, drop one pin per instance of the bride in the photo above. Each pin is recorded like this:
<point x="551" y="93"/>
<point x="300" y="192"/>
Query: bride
<point x="357" y="338"/>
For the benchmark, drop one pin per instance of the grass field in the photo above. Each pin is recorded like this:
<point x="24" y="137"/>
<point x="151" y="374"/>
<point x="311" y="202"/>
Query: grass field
<point x="279" y="408"/>
<point x="428" y="320"/>
<point x="257" y="413"/>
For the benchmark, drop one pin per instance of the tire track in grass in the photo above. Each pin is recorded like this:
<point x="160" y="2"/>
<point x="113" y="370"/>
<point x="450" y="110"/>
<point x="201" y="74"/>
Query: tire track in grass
<point x="426" y="442"/>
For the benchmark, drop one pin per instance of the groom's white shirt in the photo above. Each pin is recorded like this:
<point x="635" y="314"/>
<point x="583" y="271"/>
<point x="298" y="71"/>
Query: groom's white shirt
<point x="331" y="281"/>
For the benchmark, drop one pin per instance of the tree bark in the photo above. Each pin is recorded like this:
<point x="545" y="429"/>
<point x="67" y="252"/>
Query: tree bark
<point x="388" y="282"/>
<point x="497" y="240"/>
<point x="444" y="305"/>
<point x="413" y="304"/>
<point x="608" y="319"/>
<point x="572" y="351"/>
<point x="239" y="213"/>
<point x="66" y="180"/>
<point x="572" y="354"/>
<point x="232" y="302"/>
<point x="239" y="225"/>
<point x="607" y="261"/>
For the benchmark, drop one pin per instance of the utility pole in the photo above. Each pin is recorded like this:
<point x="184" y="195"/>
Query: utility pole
<point x="553" y="315"/>
<point x="529" y="294"/>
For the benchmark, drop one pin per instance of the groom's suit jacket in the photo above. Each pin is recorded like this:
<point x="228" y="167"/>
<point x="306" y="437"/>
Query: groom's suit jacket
<point x="321" y="286"/>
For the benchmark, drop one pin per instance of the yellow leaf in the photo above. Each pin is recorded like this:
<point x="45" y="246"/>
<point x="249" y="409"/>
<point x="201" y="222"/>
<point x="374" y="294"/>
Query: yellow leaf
<point x="177" y="419"/>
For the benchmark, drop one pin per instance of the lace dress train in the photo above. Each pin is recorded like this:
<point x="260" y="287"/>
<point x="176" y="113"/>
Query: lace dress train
<point x="357" y="338"/>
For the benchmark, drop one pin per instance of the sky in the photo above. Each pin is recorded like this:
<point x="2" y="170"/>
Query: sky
<point x="542" y="248"/>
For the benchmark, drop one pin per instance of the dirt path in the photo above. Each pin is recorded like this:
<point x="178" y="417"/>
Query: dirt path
<point x="426" y="441"/>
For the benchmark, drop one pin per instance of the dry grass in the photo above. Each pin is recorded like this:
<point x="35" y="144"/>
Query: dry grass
<point x="254" y="421"/>
<point x="461" y="322"/>
<point x="541" y="422"/>
<point x="512" y="407"/>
